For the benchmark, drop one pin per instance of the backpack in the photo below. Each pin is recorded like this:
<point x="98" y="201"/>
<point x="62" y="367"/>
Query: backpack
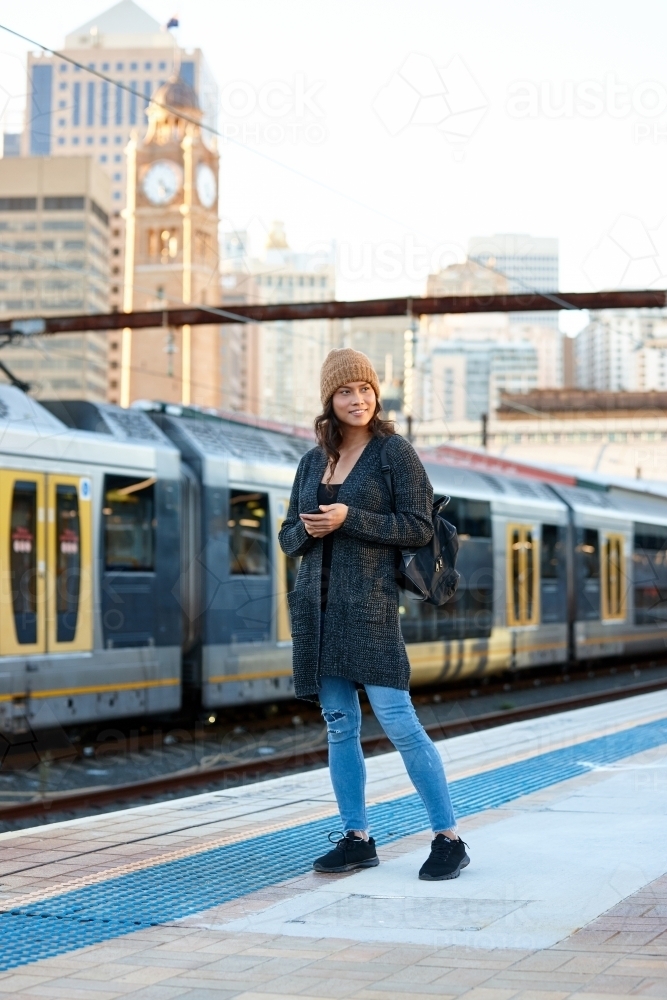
<point x="429" y="571"/>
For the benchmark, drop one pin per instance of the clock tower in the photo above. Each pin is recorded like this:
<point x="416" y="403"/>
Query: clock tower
<point x="171" y="253"/>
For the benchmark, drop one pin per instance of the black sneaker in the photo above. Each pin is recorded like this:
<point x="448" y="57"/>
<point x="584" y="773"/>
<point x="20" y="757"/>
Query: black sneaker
<point x="446" y="859"/>
<point x="349" y="853"/>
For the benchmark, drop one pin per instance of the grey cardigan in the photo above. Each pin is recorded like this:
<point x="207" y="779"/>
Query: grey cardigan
<point x="362" y="639"/>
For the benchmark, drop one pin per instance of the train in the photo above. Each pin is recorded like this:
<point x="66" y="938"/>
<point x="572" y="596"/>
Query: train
<point x="141" y="572"/>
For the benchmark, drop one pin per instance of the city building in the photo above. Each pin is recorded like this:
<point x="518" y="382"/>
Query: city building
<point x="241" y="390"/>
<point x="71" y="112"/>
<point x="623" y="350"/>
<point x="611" y="433"/>
<point x="462" y="380"/>
<point x="54" y="252"/>
<point x="171" y="256"/>
<point x="464" y="361"/>
<point x="530" y="264"/>
<point x="282" y="362"/>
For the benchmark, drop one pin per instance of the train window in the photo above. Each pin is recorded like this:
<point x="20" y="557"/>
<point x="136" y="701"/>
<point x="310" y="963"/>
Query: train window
<point x="588" y="574"/>
<point x="553" y="591"/>
<point x="471" y="518"/>
<point x="650" y="574"/>
<point x="522" y="575"/>
<point x="129" y="524"/>
<point x="248" y="533"/>
<point x="613" y="577"/>
<point x="469" y="615"/>
<point x="23" y="561"/>
<point x="68" y="561"/>
<point x="551" y="553"/>
<point x="588" y="551"/>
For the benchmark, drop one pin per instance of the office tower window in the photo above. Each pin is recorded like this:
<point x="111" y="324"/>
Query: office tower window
<point x="75" y="140"/>
<point x="116" y="196"/>
<point x="61" y="122"/>
<point x="104" y="104"/>
<point x="133" y="101"/>
<point x="62" y="86"/>
<point x="90" y="116"/>
<point x="119" y="106"/>
<point x="162" y="65"/>
<point x="61" y="140"/>
<point x="117" y="158"/>
<point x="147" y="93"/>
<point x="120" y="67"/>
<point x="148" y="65"/>
<point x="118" y="140"/>
<point x="103" y="158"/>
<point x="76" y="104"/>
<point x="104" y="140"/>
<point x="117" y="177"/>
<point x="40" y="111"/>
<point x="134" y="66"/>
<point x="89" y="140"/>
<point x="105" y="67"/>
<point x="188" y="73"/>
<point x="63" y="67"/>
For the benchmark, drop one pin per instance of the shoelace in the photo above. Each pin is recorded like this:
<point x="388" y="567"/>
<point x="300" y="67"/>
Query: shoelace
<point x="443" y="848"/>
<point x="341" y="838"/>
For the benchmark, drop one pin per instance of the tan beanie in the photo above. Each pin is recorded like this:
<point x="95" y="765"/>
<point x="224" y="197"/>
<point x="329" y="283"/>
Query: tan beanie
<point x="343" y="366"/>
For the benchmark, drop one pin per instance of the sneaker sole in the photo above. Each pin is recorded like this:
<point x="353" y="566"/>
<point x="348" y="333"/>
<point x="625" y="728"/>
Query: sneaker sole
<point x="371" y="863"/>
<point x="444" y="878"/>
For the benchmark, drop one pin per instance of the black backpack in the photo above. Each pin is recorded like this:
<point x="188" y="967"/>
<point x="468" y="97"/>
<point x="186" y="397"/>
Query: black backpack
<point x="429" y="571"/>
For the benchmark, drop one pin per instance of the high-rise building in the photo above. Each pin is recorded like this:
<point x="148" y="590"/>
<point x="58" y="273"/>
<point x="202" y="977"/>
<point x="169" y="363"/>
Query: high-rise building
<point x="460" y="380"/>
<point x="464" y="360"/>
<point x="530" y="264"/>
<point x="71" y="112"/>
<point x="54" y="251"/>
<point x="171" y="255"/>
<point x="622" y="350"/>
<point x="287" y="356"/>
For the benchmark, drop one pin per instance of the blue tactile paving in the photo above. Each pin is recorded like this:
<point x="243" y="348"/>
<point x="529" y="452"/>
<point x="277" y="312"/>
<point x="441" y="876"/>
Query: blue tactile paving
<point x="189" y="885"/>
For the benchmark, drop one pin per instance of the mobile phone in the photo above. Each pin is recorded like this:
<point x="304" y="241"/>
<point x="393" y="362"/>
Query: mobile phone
<point x="318" y="511"/>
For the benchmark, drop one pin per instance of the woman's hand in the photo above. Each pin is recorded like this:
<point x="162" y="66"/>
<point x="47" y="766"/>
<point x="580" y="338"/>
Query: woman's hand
<point x="331" y="518"/>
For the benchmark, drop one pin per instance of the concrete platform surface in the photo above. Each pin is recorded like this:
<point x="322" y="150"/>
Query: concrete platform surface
<point x="212" y="896"/>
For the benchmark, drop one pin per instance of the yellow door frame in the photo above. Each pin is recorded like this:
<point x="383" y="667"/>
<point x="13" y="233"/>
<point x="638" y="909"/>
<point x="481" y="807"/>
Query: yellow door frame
<point x="83" y="635"/>
<point x="613" y="577"/>
<point x="9" y="644"/>
<point x="522" y="548"/>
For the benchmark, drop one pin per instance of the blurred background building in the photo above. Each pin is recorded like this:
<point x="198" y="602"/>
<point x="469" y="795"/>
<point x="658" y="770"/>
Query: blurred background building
<point x="278" y="364"/>
<point x="70" y="112"/>
<point x="54" y="260"/>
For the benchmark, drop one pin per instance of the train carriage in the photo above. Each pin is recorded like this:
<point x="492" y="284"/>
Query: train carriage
<point x="86" y="627"/>
<point x="141" y="571"/>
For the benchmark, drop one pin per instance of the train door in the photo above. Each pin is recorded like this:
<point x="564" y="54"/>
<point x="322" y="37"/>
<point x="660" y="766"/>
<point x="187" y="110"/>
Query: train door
<point x="22" y="563"/>
<point x="69" y="577"/>
<point x="286" y="569"/>
<point x="614" y="582"/>
<point x="45" y="555"/>
<point x="523" y="577"/>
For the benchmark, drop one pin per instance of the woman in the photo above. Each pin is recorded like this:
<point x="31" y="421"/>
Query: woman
<point x="344" y="608"/>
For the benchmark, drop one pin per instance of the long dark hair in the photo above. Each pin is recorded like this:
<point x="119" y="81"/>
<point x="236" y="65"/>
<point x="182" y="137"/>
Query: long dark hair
<point x="329" y="432"/>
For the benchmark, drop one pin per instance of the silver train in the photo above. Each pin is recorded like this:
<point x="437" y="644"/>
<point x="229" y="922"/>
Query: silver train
<point x="141" y="571"/>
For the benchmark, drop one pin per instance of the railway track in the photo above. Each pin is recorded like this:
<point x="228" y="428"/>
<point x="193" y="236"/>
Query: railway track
<point x="299" y="757"/>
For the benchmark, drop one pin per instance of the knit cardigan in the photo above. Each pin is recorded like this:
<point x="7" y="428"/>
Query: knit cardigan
<point x="361" y="638"/>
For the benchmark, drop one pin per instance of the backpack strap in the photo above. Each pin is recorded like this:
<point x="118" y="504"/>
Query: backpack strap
<point x="386" y="470"/>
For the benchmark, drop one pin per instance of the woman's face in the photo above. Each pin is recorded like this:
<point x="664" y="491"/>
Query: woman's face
<point x="354" y="404"/>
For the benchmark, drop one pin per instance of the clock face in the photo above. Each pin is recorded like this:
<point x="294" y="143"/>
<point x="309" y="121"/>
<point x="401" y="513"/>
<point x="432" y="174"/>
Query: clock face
<point x="206" y="186"/>
<point x="162" y="181"/>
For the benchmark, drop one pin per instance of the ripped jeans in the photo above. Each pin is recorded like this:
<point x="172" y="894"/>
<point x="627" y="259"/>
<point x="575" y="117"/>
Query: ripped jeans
<point x="395" y="713"/>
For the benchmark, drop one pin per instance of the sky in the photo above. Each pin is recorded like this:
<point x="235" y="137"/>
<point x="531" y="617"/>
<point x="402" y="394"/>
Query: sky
<point x="400" y="129"/>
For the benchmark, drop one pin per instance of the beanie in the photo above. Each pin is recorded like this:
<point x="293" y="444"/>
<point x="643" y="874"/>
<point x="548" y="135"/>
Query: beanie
<point x="343" y="366"/>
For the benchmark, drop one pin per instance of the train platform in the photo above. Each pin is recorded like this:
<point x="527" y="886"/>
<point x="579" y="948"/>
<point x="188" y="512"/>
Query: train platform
<point x="212" y="897"/>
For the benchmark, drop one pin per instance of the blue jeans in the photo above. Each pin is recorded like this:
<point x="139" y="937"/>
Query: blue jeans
<point x="395" y="713"/>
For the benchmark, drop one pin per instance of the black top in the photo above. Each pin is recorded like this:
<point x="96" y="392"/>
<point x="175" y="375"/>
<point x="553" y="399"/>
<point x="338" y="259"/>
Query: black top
<point x="326" y="494"/>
